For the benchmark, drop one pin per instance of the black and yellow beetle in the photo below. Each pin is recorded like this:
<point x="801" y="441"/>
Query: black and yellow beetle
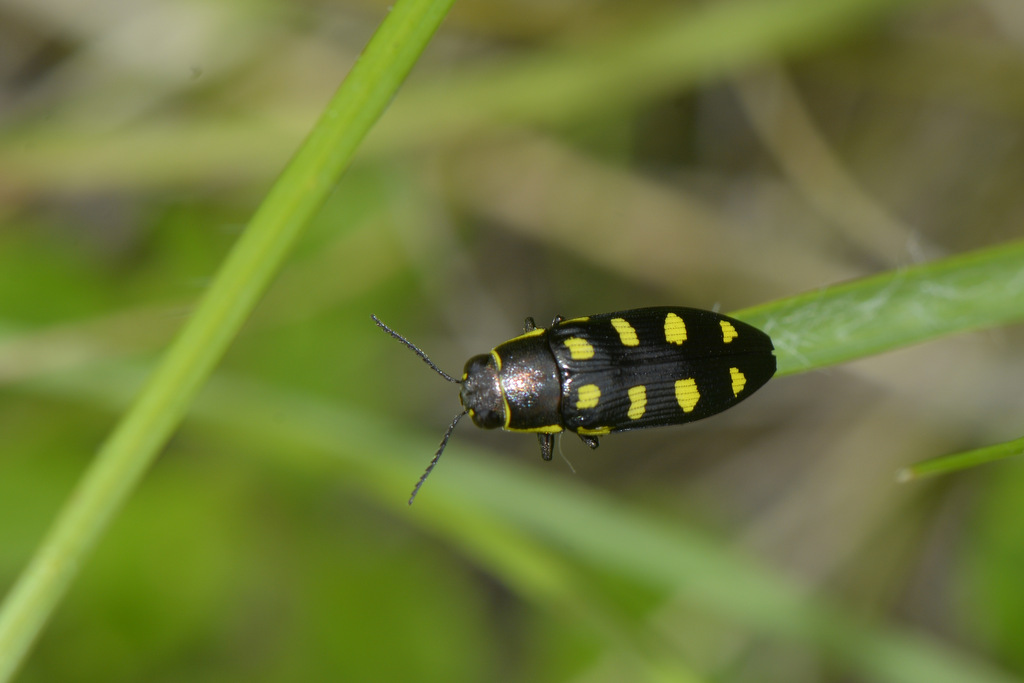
<point x="611" y="372"/>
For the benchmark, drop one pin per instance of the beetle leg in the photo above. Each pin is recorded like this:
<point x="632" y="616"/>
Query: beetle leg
<point x="589" y="440"/>
<point x="547" y="444"/>
<point x="530" y="326"/>
<point x="557" y="320"/>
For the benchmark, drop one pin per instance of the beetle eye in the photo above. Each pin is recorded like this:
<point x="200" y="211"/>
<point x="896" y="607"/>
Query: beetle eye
<point x="481" y="393"/>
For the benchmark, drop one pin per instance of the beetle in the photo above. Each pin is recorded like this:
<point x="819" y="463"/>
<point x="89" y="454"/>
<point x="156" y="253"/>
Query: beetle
<point x="611" y="372"/>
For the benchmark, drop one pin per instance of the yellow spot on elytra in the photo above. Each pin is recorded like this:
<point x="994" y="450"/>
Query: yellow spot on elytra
<point x="626" y="332"/>
<point x="739" y="380"/>
<point x="587" y="396"/>
<point x="687" y="394"/>
<point x="575" y="320"/>
<point x="596" y="431"/>
<point x="637" y="402"/>
<point x="675" y="329"/>
<point x="579" y="349"/>
<point x="728" y="331"/>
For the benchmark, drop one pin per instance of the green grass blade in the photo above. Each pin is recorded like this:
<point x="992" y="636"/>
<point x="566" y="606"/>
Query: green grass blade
<point x="895" y="309"/>
<point x="243" y="277"/>
<point x="961" y="461"/>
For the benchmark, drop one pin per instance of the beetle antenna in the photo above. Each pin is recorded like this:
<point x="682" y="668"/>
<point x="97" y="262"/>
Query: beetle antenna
<point x="437" y="456"/>
<point x="422" y="355"/>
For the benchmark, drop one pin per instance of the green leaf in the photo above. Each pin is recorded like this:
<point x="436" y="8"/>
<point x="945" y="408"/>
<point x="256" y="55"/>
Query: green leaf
<point x="895" y="309"/>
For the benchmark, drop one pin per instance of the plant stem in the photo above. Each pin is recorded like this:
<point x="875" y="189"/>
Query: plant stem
<point x="243" y="277"/>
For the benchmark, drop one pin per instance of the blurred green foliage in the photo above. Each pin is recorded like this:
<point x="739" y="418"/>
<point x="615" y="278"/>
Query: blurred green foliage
<point x="545" y="158"/>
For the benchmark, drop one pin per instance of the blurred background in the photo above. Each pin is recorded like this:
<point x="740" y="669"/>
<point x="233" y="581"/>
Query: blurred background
<point x="545" y="157"/>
